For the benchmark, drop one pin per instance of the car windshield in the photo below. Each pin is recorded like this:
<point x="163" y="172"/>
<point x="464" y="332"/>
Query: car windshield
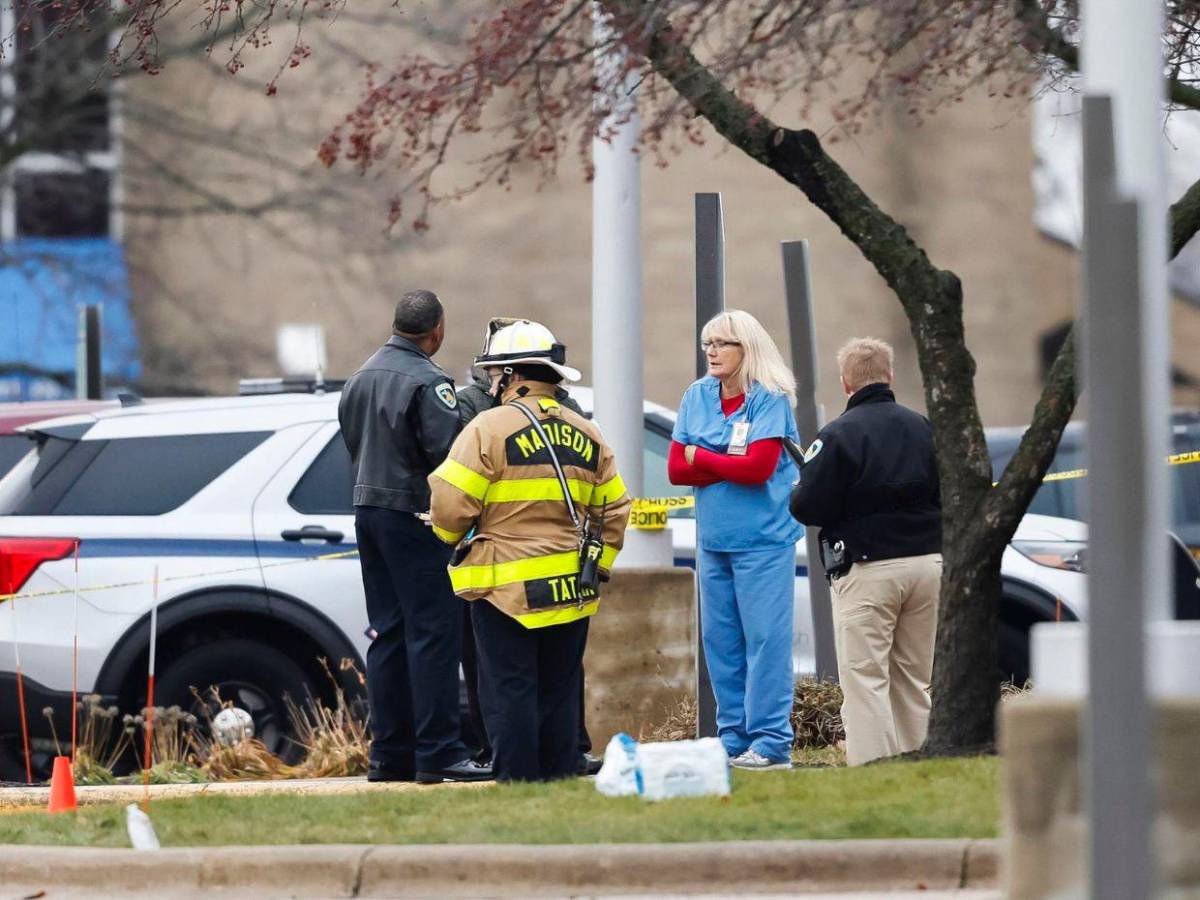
<point x="1067" y="497"/>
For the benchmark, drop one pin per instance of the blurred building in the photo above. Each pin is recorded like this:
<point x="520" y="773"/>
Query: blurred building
<point x="60" y="219"/>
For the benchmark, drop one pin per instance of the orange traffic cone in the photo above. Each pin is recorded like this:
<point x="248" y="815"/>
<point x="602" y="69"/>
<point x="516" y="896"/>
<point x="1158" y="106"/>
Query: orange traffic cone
<point x="62" y="786"/>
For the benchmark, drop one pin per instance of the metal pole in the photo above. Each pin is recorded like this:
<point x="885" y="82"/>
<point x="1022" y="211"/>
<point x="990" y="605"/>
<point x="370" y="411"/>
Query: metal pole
<point x="1126" y="359"/>
<point x="617" y="276"/>
<point x="1121" y="576"/>
<point x="617" y="286"/>
<point x="89" y="383"/>
<point x="710" y="300"/>
<point x="797" y="285"/>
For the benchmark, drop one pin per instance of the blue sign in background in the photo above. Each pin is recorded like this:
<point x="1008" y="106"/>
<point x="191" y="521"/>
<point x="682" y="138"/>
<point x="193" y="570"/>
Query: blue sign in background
<point x="43" y="284"/>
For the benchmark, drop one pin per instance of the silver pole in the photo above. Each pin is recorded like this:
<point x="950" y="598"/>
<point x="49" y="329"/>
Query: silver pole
<point x="1124" y="570"/>
<point x="797" y="285"/>
<point x="617" y="267"/>
<point x="1126" y="359"/>
<point x="710" y="300"/>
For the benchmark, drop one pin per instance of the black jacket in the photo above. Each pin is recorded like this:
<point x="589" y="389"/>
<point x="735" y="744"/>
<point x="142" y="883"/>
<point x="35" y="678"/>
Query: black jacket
<point x="871" y="480"/>
<point x="476" y="397"/>
<point x="399" y="416"/>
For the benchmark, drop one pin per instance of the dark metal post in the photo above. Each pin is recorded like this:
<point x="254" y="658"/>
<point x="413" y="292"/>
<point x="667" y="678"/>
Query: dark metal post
<point x="1123" y="538"/>
<point x="798" y="290"/>
<point x="710" y="300"/>
<point x="89" y="378"/>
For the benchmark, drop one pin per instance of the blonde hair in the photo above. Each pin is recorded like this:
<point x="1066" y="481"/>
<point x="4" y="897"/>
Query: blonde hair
<point x="762" y="363"/>
<point x="864" y="361"/>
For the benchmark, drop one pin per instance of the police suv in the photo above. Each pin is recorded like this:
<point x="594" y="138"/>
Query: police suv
<point x="233" y="515"/>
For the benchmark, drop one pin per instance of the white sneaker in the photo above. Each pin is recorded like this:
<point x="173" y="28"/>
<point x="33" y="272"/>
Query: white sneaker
<point x="755" y="761"/>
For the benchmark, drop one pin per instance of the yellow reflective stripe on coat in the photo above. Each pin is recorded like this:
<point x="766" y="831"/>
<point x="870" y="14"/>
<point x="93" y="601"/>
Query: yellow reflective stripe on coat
<point x="450" y="537"/>
<point x="609" y="492"/>
<point x="466" y="480"/>
<point x="608" y="556"/>
<point x="561" y="616"/>
<point x="517" y="490"/>
<point x="484" y="578"/>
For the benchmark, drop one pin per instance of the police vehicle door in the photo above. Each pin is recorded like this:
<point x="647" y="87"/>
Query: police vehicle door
<point x="304" y="526"/>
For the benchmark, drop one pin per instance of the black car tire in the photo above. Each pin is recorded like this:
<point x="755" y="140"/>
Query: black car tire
<point x="1013" y="651"/>
<point x="251" y="675"/>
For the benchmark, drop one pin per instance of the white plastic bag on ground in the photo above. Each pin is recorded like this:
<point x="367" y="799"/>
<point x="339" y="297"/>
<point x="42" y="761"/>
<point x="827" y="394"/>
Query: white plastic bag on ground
<point x="141" y="829"/>
<point x="662" y="770"/>
<point x="619" y="776"/>
<point x="683" y="769"/>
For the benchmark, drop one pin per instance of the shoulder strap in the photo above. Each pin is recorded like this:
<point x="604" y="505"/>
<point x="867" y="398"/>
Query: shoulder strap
<point x="562" y="478"/>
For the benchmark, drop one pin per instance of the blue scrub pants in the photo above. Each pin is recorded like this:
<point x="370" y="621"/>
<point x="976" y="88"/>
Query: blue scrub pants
<point x="746" y="603"/>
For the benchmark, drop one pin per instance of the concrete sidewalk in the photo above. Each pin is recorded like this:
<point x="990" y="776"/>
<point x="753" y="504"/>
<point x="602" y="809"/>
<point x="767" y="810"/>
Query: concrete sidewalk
<point x="507" y="870"/>
<point x="23" y="798"/>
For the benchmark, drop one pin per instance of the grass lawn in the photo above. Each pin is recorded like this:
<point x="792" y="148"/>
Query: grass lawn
<point x="930" y="798"/>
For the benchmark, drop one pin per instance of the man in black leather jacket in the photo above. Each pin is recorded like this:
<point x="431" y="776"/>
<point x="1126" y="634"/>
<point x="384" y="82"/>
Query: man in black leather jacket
<point x="870" y="481"/>
<point x="399" y="416"/>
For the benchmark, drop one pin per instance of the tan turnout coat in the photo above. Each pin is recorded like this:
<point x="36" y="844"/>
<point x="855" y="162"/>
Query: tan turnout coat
<point x="498" y="478"/>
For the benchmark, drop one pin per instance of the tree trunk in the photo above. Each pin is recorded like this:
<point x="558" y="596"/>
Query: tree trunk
<point x="965" y="686"/>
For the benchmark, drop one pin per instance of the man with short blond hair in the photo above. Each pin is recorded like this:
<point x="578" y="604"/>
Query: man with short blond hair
<point x="864" y="361"/>
<point x="870" y="482"/>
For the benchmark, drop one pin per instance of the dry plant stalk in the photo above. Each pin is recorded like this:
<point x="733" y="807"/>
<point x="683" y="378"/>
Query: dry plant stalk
<point x="173" y="744"/>
<point x="335" y="740"/>
<point x="680" y="724"/>
<point x="817" y="714"/>
<point x="816" y="717"/>
<point x="246" y="760"/>
<point x="99" y="742"/>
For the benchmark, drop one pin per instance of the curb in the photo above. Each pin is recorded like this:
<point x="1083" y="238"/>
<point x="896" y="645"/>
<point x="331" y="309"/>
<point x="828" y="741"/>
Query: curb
<point x="471" y="870"/>
<point x="24" y="798"/>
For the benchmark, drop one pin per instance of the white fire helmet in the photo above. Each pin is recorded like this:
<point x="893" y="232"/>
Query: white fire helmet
<point x="512" y="341"/>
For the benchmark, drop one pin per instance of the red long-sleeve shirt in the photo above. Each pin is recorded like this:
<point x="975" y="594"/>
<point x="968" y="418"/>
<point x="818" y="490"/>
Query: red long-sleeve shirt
<point x="708" y="468"/>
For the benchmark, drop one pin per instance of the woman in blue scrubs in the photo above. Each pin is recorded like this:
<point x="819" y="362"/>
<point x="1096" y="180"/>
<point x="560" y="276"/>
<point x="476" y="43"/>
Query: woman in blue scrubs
<point x="728" y="444"/>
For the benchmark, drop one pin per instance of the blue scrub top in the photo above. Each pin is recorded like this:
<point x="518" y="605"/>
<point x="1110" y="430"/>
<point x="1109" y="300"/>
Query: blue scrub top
<point x="732" y="516"/>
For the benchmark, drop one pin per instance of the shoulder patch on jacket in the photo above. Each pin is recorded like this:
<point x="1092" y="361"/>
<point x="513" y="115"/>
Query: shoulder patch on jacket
<point x="445" y="393"/>
<point x="811" y="453"/>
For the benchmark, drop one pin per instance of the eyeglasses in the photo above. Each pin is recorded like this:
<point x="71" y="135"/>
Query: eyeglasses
<point x="717" y="345"/>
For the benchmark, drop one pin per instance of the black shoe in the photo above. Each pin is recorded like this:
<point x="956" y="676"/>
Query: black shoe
<point x="377" y="772"/>
<point x="464" y="770"/>
<point x="588" y="764"/>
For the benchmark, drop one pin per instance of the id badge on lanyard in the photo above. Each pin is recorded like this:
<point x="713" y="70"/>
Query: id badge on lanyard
<point x="740" y="439"/>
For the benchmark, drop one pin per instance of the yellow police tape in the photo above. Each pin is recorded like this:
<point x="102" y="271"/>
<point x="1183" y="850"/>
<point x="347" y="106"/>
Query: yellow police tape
<point x="169" y="578"/>
<point x="647" y="514"/>
<point x="1175" y="459"/>
<point x="650" y="513"/>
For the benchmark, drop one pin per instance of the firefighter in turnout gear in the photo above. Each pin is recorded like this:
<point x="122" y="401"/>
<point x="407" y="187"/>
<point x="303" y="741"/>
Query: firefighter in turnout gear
<point x="504" y="479"/>
<point x="483" y="394"/>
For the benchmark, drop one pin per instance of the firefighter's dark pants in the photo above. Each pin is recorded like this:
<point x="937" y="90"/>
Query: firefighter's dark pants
<point x="481" y="746"/>
<point x="412" y="664"/>
<point x="529" y="681"/>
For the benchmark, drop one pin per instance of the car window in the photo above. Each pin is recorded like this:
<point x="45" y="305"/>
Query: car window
<point x="1185" y="483"/>
<point x="12" y="448"/>
<point x="327" y="486"/>
<point x="654" y="472"/>
<point x="144" y="476"/>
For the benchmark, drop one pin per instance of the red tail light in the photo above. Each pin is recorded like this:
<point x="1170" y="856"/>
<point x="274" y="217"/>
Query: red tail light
<point x="20" y="557"/>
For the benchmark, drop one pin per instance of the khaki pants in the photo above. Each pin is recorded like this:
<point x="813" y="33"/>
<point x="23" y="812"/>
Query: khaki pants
<point x="885" y="620"/>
